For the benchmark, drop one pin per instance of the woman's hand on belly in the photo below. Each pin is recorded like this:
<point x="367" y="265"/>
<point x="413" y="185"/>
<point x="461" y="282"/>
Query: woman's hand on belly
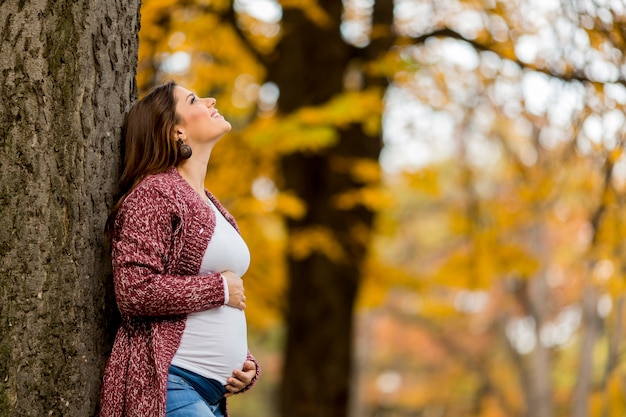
<point x="241" y="378"/>
<point x="236" y="297"/>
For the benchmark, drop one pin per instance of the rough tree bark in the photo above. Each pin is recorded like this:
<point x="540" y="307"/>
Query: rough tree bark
<point x="67" y="78"/>
<point x="313" y="60"/>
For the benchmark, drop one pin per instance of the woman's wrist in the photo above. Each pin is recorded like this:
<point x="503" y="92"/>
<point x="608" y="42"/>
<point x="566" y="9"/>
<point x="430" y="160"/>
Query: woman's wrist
<point x="226" y="293"/>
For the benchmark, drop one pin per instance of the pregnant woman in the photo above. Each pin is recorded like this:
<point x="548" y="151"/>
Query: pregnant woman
<point x="178" y="259"/>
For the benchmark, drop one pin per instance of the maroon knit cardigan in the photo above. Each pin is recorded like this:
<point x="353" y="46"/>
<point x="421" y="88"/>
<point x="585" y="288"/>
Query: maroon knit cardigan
<point x="160" y="235"/>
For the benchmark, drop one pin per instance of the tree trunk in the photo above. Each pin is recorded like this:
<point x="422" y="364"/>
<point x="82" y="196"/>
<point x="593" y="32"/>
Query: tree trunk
<point x="67" y="78"/>
<point x="589" y="336"/>
<point x="541" y="388"/>
<point x="310" y="71"/>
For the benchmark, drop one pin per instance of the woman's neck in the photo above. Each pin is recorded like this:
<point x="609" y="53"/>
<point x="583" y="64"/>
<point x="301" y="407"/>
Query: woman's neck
<point x="194" y="170"/>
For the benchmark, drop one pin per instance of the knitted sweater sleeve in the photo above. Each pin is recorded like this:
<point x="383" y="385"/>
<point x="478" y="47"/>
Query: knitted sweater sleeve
<point x="143" y="253"/>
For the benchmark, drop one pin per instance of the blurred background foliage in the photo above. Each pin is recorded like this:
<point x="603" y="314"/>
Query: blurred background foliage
<point x="493" y="283"/>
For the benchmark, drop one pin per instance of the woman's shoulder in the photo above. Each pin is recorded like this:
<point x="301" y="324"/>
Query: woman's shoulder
<point x="162" y="181"/>
<point x="160" y="188"/>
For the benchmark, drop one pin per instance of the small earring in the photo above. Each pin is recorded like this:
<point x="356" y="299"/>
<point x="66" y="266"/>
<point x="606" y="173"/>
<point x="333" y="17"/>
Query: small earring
<point x="184" y="150"/>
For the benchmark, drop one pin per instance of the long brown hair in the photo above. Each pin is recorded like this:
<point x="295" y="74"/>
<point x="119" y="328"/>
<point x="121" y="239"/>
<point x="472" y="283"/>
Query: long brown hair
<point x="148" y="142"/>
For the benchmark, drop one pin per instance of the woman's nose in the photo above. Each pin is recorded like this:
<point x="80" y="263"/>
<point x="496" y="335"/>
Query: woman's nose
<point x="210" y="101"/>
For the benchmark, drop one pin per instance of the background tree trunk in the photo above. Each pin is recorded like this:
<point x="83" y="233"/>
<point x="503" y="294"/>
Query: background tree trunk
<point x="67" y="78"/>
<point x="589" y="336"/>
<point x="313" y="60"/>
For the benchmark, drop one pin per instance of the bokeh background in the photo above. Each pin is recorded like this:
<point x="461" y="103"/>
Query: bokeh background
<point x="432" y="192"/>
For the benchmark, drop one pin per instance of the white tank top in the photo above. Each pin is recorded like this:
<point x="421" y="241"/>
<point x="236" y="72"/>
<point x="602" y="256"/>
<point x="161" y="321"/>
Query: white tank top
<point x="215" y="341"/>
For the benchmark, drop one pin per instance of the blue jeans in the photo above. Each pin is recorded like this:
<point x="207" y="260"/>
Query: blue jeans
<point x="184" y="401"/>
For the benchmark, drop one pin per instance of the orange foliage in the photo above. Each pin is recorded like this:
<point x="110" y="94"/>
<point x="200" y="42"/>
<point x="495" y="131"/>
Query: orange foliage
<point x="517" y="220"/>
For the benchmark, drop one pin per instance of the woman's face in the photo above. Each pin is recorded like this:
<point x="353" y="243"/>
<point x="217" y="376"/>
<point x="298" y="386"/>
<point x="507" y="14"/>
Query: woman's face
<point x="200" y="122"/>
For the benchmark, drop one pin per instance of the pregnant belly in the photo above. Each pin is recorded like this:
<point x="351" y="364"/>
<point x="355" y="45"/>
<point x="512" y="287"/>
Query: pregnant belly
<point x="214" y="343"/>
